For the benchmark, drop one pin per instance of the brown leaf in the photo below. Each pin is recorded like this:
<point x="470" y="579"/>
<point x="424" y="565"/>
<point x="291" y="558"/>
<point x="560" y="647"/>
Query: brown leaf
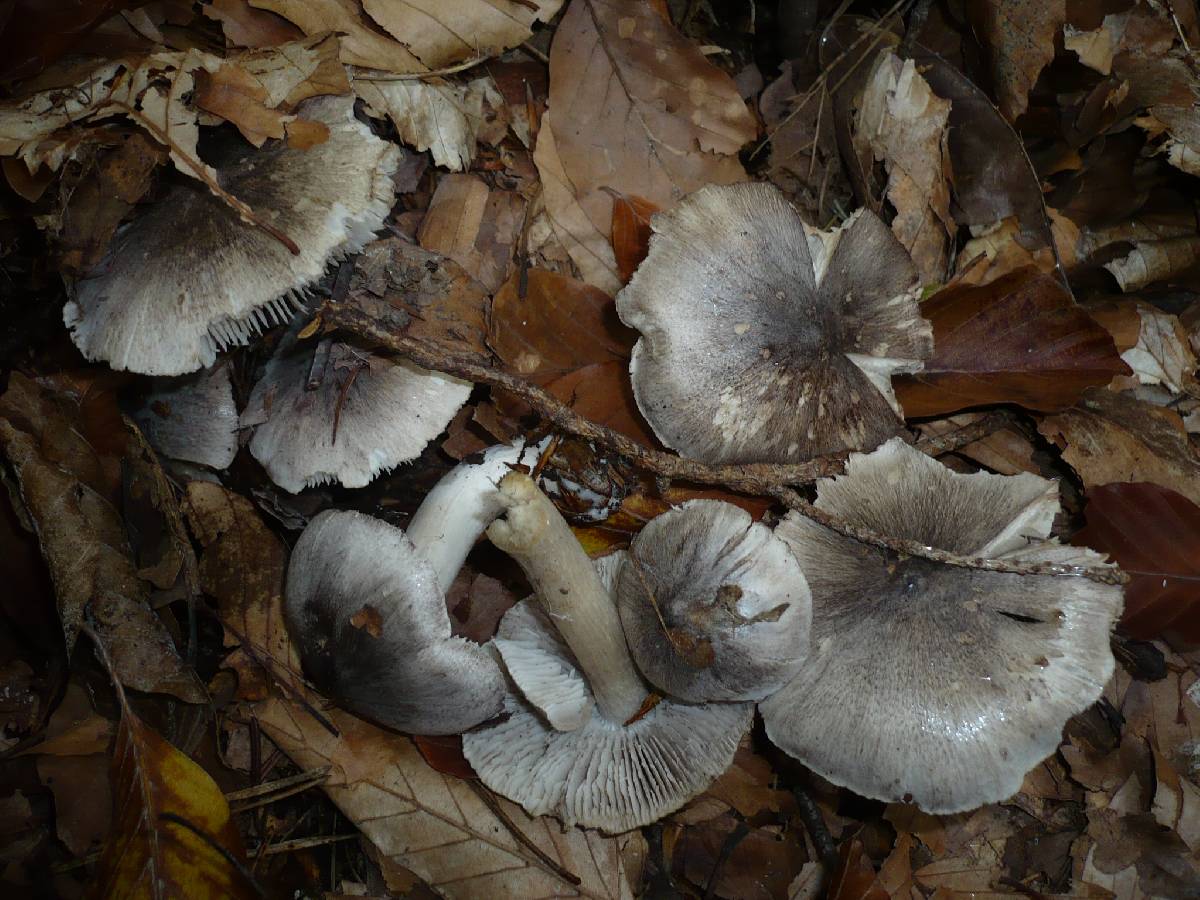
<point x="631" y="232"/>
<point x="748" y="785"/>
<point x="603" y="393"/>
<point x="637" y="109"/>
<point x="172" y="832"/>
<point x="723" y="857"/>
<point x="1020" y="339"/>
<point x="1153" y="533"/>
<point x="854" y="878"/>
<point x="445" y="754"/>
<point x="476" y="227"/>
<point x="1112" y="437"/>
<point x="84" y="543"/>
<point x="245" y="26"/>
<point x="238" y="97"/>
<point x="242" y="568"/>
<point x="1019" y="36"/>
<point x="1006" y="450"/>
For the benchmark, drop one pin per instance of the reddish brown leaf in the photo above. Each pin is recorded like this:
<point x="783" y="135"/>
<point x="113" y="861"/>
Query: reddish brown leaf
<point x="444" y="753"/>
<point x="631" y="232"/>
<point x="603" y="393"/>
<point x="1019" y="38"/>
<point x="1019" y="339"/>
<point x="854" y="878"/>
<point x="1154" y="534"/>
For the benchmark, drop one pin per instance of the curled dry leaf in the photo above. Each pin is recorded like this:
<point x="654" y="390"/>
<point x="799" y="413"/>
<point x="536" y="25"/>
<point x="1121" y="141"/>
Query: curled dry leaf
<point x="84" y="543"/>
<point x="1162" y="354"/>
<point x="172" y="834"/>
<point x="905" y="126"/>
<point x="1153" y="533"/>
<point x="1151" y="261"/>
<point x="636" y="109"/>
<point x="1019" y="339"/>
<point x="1110" y="437"/>
<point x="1019" y="37"/>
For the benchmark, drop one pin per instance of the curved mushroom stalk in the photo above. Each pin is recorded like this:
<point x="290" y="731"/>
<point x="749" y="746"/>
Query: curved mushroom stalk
<point x="189" y="277"/>
<point x="369" y="618"/>
<point x="754" y="347"/>
<point x="331" y="412"/>
<point x="930" y="683"/>
<point x="715" y="606"/>
<point x="614" y="765"/>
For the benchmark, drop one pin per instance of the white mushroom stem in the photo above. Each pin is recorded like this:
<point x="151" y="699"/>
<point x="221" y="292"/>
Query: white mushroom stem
<point x="455" y="513"/>
<point x="535" y="534"/>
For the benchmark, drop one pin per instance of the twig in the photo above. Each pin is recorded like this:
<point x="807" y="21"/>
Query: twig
<point x="735" y="837"/>
<point x="937" y="444"/>
<point x="814" y="824"/>
<point x="300" y="844"/>
<point x="762" y="479"/>
<point x="358" y="74"/>
<point x="272" y="791"/>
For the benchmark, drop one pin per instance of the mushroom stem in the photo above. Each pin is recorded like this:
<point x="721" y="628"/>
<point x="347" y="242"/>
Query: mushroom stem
<point x="455" y="513"/>
<point x="535" y="534"/>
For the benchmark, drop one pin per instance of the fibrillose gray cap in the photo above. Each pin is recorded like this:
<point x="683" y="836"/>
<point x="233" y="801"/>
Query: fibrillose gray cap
<point x="761" y="343"/>
<point x="933" y="683"/>
<point x="193" y="417"/>
<point x="189" y="277"/>
<point x="386" y="411"/>
<point x="601" y="774"/>
<point x="370" y="623"/>
<point x="714" y="605"/>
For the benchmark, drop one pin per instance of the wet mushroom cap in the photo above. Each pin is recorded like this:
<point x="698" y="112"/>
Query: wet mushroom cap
<point x="761" y="343"/>
<point x="192" y="418"/>
<point x="714" y="606"/>
<point x="370" y="623"/>
<point x="330" y="412"/>
<point x="930" y="683"/>
<point x="602" y="774"/>
<point x="189" y="277"/>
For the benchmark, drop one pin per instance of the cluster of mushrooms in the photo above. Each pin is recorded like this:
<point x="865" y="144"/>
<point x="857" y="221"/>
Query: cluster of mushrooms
<point x="621" y="688"/>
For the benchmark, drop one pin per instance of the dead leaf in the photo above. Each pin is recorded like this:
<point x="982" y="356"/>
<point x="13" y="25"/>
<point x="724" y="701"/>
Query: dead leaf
<point x="1110" y="437"/>
<point x="904" y="125"/>
<point x="1153" y="533"/>
<point x="1151" y="261"/>
<point x="237" y="96"/>
<point x="475" y="226"/>
<point x="1019" y="36"/>
<point x="442" y="117"/>
<point x="636" y="109"/>
<point x="723" y="857"/>
<point x="747" y="786"/>
<point x="1020" y="339"/>
<point x="854" y="878"/>
<point x="248" y="27"/>
<point x="1006" y="450"/>
<point x="172" y="834"/>
<point x="242" y="568"/>
<point x="84" y="544"/>
<point x="630" y="232"/>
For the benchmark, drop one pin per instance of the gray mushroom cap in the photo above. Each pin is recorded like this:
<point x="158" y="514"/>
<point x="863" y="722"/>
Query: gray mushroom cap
<point x="328" y="411"/>
<point x="714" y="605"/>
<point x="192" y="417"/>
<point x="932" y="683"/>
<point x="601" y="774"/>
<point x="189" y="277"/>
<point x="370" y="623"/>
<point x="762" y="343"/>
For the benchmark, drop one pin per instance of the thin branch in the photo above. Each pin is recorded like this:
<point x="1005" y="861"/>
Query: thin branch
<point x="762" y="479"/>
<point x="358" y="74"/>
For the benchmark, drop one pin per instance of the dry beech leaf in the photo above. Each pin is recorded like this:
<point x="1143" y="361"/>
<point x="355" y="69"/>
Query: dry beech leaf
<point x="242" y="569"/>
<point x="630" y="232"/>
<point x="1153" y="533"/>
<point x="475" y="226"/>
<point x="1161" y="353"/>
<point x="360" y="44"/>
<point x="1005" y="450"/>
<point x="84" y="543"/>
<point x="172" y="834"/>
<point x="635" y="108"/>
<point x="1151" y="261"/>
<point x="904" y="125"/>
<point x="1019" y="37"/>
<point x="725" y="858"/>
<point x="245" y="26"/>
<point x="235" y="95"/>
<point x="854" y="878"/>
<point x="1019" y="339"/>
<point x="1110" y="437"/>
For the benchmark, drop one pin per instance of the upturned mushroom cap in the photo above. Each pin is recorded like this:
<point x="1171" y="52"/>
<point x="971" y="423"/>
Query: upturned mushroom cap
<point x="330" y="412"/>
<point x="927" y="682"/>
<point x="602" y="774"/>
<point x="189" y="277"/>
<point x="193" y="417"/>
<point x="714" y="605"/>
<point x="370" y="623"/>
<point x="763" y="344"/>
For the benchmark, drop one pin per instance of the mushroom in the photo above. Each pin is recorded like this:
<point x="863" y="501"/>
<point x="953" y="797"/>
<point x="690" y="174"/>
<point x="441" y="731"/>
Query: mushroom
<point x="366" y="606"/>
<point x="762" y="342"/>
<point x="189" y="277"/>
<point x="931" y="683"/>
<point x="333" y="412"/>
<point x="192" y="418"/>
<point x="714" y="605"/>
<point x="628" y="762"/>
